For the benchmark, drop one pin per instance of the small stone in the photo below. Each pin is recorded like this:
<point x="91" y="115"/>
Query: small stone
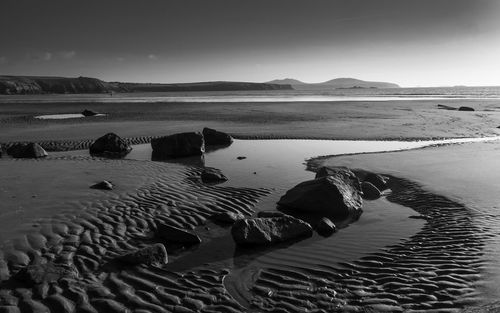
<point x="326" y="227"/>
<point x="152" y="255"/>
<point x="103" y="185"/>
<point x="88" y="113"/>
<point x="464" y="108"/>
<point x="241" y="157"/>
<point x="212" y="175"/>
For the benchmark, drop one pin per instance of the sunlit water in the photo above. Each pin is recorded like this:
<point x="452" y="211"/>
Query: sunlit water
<point x="63" y="116"/>
<point x="299" y="95"/>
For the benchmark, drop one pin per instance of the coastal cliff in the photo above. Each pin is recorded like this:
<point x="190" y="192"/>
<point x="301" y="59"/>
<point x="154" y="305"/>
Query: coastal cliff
<point x="12" y="85"/>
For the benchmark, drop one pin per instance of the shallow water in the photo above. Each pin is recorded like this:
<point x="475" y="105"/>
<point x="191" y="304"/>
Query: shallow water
<point x="62" y="116"/>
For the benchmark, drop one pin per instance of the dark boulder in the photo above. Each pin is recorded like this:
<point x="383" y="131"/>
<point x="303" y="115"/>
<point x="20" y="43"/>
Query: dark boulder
<point x="176" y="235"/>
<point x="266" y="231"/>
<point x="178" y="145"/>
<point x="27" y="150"/>
<point x="227" y="217"/>
<point x="465" y="109"/>
<point x="370" y="192"/>
<point x="103" y="185"/>
<point x="153" y="255"/>
<point x="212" y="176"/>
<point x="216" y="138"/>
<point x="377" y="180"/>
<point x="336" y="195"/>
<point x="326" y="227"/>
<point x="110" y="145"/>
<point x="89" y="113"/>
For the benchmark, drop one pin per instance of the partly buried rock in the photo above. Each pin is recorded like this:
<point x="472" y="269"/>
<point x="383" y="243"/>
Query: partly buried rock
<point x="266" y="231"/>
<point x="27" y="150"/>
<point x="153" y="255"/>
<point x="370" y="192"/>
<point x="103" y="185"/>
<point x="45" y="272"/>
<point x="377" y="180"/>
<point x="110" y="145"/>
<point x="325" y="227"/>
<point x="465" y="109"/>
<point x="89" y="113"/>
<point x="212" y="176"/>
<point x="178" y="145"/>
<point x="216" y="138"/>
<point x="336" y="195"/>
<point x="227" y="217"/>
<point x="176" y="235"/>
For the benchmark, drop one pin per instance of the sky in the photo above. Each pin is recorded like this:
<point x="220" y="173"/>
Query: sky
<point x="412" y="43"/>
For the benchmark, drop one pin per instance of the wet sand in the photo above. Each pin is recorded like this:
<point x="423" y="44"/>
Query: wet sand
<point x="384" y="262"/>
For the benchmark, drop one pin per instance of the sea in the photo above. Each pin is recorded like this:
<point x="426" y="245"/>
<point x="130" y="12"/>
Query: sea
<point x="309" y="94"/>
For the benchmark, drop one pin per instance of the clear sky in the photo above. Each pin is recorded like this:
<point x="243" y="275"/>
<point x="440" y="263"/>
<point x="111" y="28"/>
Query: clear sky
<point x="412" y="43"/>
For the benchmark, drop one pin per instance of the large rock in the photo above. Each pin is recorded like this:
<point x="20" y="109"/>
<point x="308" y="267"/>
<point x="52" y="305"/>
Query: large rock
<point x="212" y="176"/>
<point x="266" y="231"/>
<point x="337" y="195"/>
<point x="110" y="145"/>
<point x="153" y="255"/>
<point x="176" y="235"/>
<point x="178" y="145"/>
<point x="27" y="150"/>
<point x="216" y="138"/>
<point x="103" y="185"/>
<point x="370" y="192"/>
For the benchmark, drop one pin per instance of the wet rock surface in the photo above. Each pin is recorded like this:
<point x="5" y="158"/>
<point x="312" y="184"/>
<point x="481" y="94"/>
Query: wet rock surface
<point x="110" y="145"/>
<point x="227" y="217"/>
<point x="336" y="194"/>
<point x="267" y="231"/>
<point x="153" y="255"/>
<point x="178" y="145"/>
<point x="325" y="227"/>
<point x="370" y="192"/>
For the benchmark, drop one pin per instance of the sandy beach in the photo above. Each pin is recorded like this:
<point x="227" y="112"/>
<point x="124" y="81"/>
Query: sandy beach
<point x="442" y="261"/>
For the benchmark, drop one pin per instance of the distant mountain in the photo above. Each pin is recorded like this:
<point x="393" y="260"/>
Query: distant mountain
<point x="12" y="85"/>
<point x="287" y="81"/>
<point x="337" y="83"/>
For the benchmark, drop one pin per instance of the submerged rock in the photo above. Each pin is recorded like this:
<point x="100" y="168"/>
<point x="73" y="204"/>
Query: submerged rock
<point x="377" y="180"/>
<point x="27" y="151"/>
<point x="336" y="195"/>
<point x="370" y="192"/>
<point x="110" y="145"/>
<point x="216" y="138"/>
<point x="153" y="255"/>
<point x="104" y="185"/>
<point x="227" y="217"/>
<point x="465" y="109"/>
<point x="326" y="227"/>
<point x="89" y="113"/>
<point x="178" y="145"/>
<point x="212" y="176"/>
<point x="266" y="231"/>
<point x="176" y="235"/>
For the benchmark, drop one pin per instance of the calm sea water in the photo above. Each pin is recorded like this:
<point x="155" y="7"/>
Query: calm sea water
<point x="298" y="95"/>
